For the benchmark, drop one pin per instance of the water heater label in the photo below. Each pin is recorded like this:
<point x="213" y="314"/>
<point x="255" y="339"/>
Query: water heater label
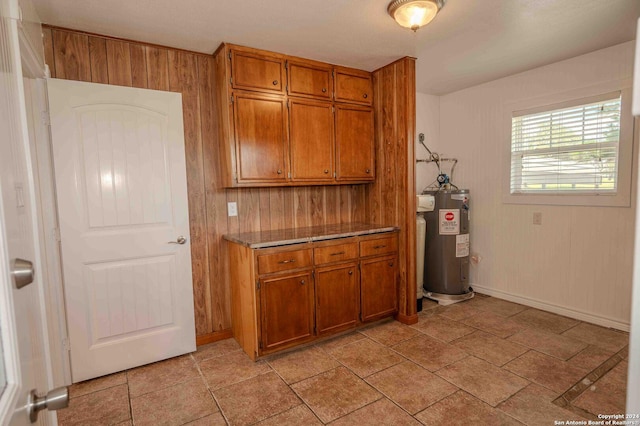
<point x="449" y="221"/>
<point x="462" y="245"/>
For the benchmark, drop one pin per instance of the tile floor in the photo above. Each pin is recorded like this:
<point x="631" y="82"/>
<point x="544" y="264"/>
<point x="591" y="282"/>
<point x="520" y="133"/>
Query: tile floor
<point x="485" y="361"/>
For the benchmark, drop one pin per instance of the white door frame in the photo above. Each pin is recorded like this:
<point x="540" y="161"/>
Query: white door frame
<point x="46" y="210"/>
<point x="23" y="62"/>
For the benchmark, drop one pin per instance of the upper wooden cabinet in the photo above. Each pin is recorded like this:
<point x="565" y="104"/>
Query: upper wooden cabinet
<point x="311" y="141"/>
<point x="261" y="138"/>
<point x="354" y="143"/>
<point x="353" y="86"/>
<point x="309" y="79"/>
<point x="252" y="71"/>
<point x="284" y="121"/>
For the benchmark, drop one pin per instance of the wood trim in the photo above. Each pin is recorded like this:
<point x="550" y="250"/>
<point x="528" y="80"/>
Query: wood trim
<point x="407" y="319"/>
<point x="127" y="40"/>
<point x="216" y="336"/>
<point x="391" y="199"/>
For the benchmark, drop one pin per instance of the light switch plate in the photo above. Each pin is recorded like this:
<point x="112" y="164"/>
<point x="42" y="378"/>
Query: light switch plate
<point x="232" y="209"/>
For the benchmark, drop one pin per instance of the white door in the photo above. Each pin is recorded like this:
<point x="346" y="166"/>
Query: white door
<point x="23" y="343"/>
<point x="122" y="199"/>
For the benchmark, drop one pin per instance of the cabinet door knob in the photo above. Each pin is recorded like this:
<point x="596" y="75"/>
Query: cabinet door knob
<point x="390" y="263"/>
<point x="367" y="171"/>
<point x="350" y="272"/>
<point x="302" y="282"/>
<point x="324" y="90"/>
<point x="279" y="171"/>
<point x="275" y="83"/>
<point x="365" y="96"/>
<point x="326" y="171"/>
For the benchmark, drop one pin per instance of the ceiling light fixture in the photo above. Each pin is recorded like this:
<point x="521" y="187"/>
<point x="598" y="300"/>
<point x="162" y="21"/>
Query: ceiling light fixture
<point x="414" y="14"/>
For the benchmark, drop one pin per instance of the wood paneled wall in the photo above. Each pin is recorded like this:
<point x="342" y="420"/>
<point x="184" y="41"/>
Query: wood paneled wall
<point x="391" y="199"/>
<point x="80" y="56"/>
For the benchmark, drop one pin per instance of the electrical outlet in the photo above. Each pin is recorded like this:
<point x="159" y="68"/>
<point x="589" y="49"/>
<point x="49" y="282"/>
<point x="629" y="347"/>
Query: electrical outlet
<point x="232" y="209"/>
<point x="537" y="218"/>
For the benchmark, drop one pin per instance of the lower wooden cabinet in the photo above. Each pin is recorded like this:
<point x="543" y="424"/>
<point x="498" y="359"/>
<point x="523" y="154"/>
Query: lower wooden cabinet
<point x="293" y="294"/>
<point x="286" y="310"/>
<point x="337" y="298"/>
<point x="379" y="296"/>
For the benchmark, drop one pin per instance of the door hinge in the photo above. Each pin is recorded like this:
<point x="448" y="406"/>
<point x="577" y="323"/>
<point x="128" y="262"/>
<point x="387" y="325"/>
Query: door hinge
<point x="289" y="175"/>
<point x="260" y="344"/>
<point x="287" y="103"/>
<point x="229" y="55"/>
<point x="286" y="65"/>
<point x="55" y="234"/>
<point x="335" y="175"/>
<point x="231" y="80"/>
<point x="66" y="344"/>
<point x="286" y="88"/>
<point x="232" y="98"/>
<point x="258" y="285"/>
<point x="333" y="109"/>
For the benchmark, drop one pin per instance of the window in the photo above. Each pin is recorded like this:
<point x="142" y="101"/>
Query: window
<point x="567" y="149"/>
<point x="573" y="148"/>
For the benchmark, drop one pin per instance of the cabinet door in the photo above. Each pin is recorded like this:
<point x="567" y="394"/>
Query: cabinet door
<point x="286" y="304"/>
<point x="379" y="294"/>
<point x="337" y="298"/>
<point x="309" y="80"/>
<point x="353" y="86"/>
<point x="261" y="138"/>
<point x="252" y="71"/>
<point x="354" y="143"/>
<point x="311" y="140"/>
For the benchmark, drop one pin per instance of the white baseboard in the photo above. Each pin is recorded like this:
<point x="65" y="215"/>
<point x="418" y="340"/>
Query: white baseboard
<point x="561" y="310"/>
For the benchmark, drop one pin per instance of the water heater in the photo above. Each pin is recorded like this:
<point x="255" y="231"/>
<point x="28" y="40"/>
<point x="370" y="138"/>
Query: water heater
<point x="446" y="264"/>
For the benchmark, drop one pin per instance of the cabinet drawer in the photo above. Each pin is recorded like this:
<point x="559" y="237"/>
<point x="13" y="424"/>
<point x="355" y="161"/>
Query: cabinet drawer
<point x="379" y="246"/>
<point x="276" y="262"/>
<point x="335" y="253"/>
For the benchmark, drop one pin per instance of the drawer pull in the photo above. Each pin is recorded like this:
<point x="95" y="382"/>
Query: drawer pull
<point x="390" y="263"/>
<point x="350" y="272"/>
<point x="380" y="246"/>
<point x="365" y="96"/>
<point x="338" y="253"/>
<point x="274" y="82"/>
<point x="324" y="90"/>
<point x="302" y="282"/>
<point x="283" y="262"/>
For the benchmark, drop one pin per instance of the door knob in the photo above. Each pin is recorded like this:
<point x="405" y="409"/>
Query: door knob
<point x="180" y="240"/>
<point x="21" y="272"/>
<point x="54" y="400"/>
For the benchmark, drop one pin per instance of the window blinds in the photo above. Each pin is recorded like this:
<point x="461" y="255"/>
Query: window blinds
<point x="567" y="149"/>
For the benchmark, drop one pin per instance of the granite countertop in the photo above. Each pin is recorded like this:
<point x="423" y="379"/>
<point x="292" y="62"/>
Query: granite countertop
<point x="281" y="237"/>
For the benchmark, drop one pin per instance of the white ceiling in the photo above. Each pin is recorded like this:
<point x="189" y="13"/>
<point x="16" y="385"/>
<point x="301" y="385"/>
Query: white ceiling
<point x="468" y="43"/>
